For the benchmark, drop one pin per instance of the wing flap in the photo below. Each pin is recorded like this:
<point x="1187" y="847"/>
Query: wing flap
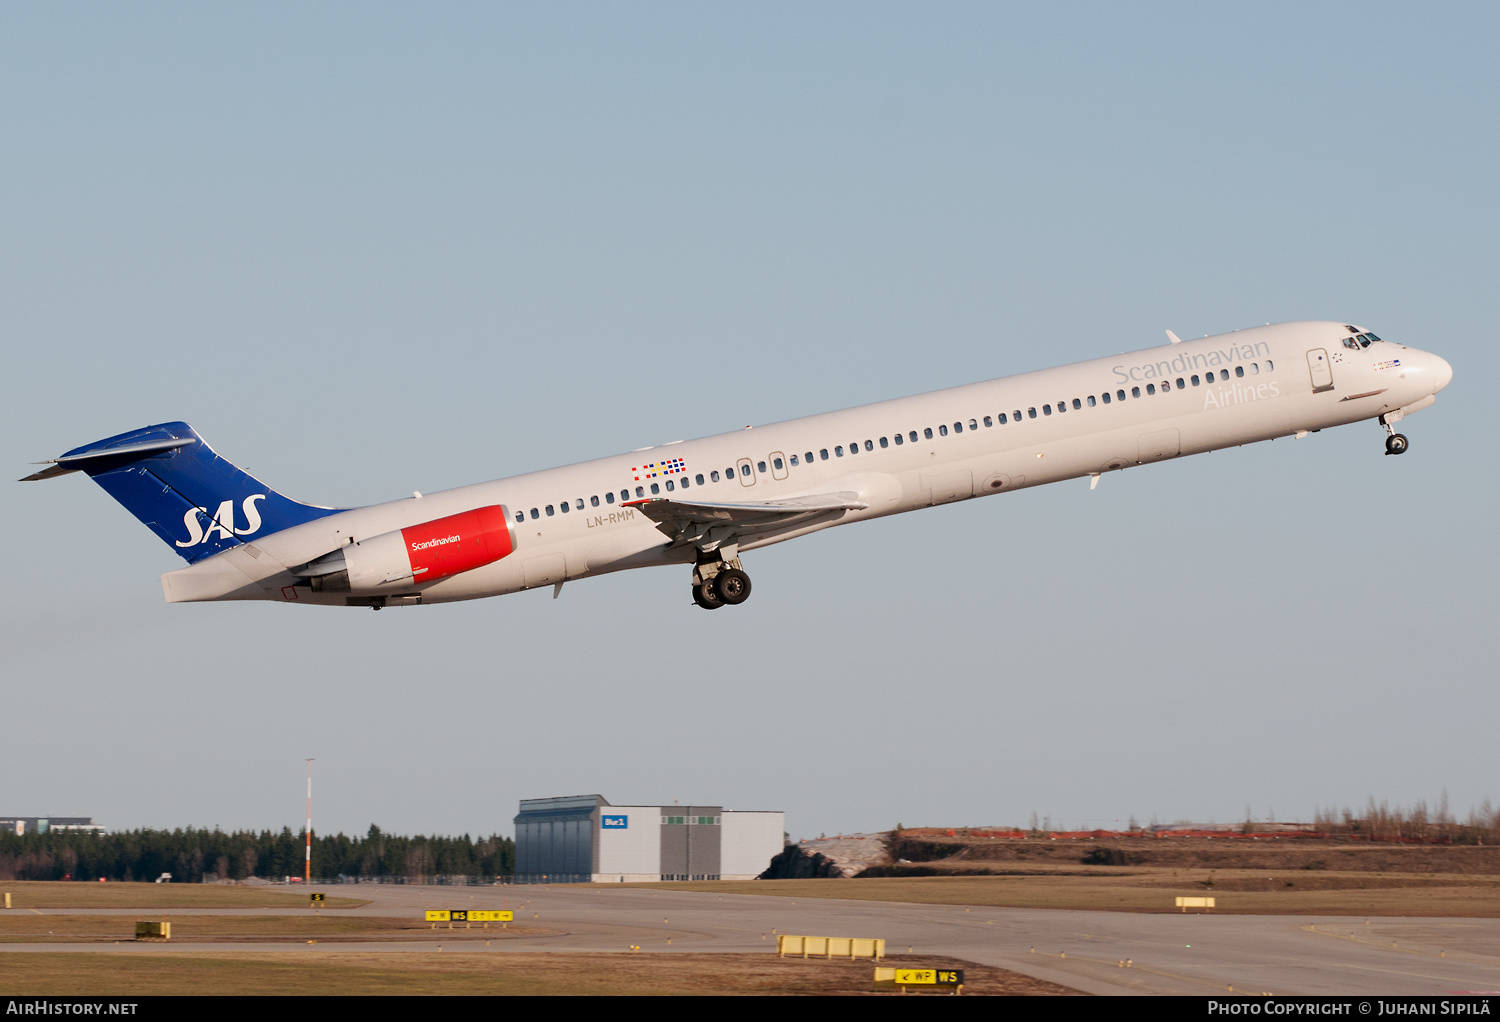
<point x="675" y="517"/>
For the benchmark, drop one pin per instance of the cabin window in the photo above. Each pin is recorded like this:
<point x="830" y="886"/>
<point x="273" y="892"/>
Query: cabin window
<point x="520" y="516"/>
<point x="958" y="427"/>
<point x="942" y="431"/>
<point x="640" y="491"/>
<point x="624" y="494"/>
<point x="839" y="451"/>
<point x="1016" y="415"/>
<point x="807" y="457"/>
<point x="854" y="447"/>
<point x="927" y="432"/>
<point x="564" y="507"/>
<point x="1270" y="366"/>
<point x="761" y="467"/>
<point x="1195" y="380"/>
<point x="1062" y="406"/>
<point x="534" y="513"/>
<point x="594" y="500"/>
<point x="869" y="445"/>
<point x="698" y="478"/>
<point x="579" y="505"/>
<point x="823" y="453"/>
<point x="779" y="464"/>
<point x="1002" y="418"/>
<point x="1120" y="394"/>
<point x="1239" y="371"/>
<point x="550" y="511"/>
<point x="1046" y="409"/>
<point x="1166" y="385"/>
<point x="1254" y="368"/>
<point x="729" y="472"/>
<point x="1077" y="404"/>
<point x="609" y="498"/>
<point x="884" y="442"/>
<point x="670" y="487"/>
<point x="1092" y="401"/>
<point x="987" y="422"/>
<point x="655" y="488"/>
<point x="899" y="440"/>
<point x="1135" y="392"/>
<point x="714" y="476"/>
<point x="683" y="482"/>
<point x="1031" y="412"/>
<point x="973" y="424"/>
<point x="1150" y="389"/>
<point x="1105" y="395"/>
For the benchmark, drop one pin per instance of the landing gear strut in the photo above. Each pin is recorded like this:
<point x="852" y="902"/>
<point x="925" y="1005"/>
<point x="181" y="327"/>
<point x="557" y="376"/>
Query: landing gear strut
<point x="717" y="582"/>
<point x="1395" y="443"/>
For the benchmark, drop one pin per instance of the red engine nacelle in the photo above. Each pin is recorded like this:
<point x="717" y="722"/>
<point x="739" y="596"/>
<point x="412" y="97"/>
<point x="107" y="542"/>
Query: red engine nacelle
<point x="415" y="555"/>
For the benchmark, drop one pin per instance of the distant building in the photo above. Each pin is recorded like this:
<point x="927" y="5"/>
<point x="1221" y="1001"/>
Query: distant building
<point x="582" y="838"/>
<point x="43" y="824"/>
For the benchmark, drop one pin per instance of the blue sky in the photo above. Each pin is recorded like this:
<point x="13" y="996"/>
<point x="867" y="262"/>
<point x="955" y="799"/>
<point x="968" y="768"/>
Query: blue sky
<point x="368" y="248"/>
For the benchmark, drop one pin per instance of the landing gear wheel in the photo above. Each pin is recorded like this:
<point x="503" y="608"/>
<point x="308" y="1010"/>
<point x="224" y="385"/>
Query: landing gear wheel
<point x="705" y="596"/>
<point x="1396" y="443"/>
<point x="732" y="586"/>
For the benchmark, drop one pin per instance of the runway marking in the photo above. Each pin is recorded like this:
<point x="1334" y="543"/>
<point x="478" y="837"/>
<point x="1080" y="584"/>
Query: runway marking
<point x="1137" y="967"/>
<point x="1468" y="956"/>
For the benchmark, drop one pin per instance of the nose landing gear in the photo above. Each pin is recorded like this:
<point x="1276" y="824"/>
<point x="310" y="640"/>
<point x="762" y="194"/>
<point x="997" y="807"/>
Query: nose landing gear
<point x="1395" y="443"/>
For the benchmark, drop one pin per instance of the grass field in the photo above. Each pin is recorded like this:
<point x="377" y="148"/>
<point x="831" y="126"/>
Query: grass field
<point x="468" y="973"/>
<point x="52" y="894"/>
<point x="19" y="927"/>
<point x="1140" y="889"/>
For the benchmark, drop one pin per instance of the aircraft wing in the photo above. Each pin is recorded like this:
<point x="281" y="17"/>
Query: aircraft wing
<point x="680" y="518"/>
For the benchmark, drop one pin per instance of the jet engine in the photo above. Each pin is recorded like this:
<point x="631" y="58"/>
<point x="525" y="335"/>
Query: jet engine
<point x="414" y="556"/>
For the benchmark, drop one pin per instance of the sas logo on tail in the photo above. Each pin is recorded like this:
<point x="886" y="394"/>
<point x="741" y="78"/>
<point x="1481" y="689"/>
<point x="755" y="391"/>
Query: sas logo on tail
<point x="222" y="521"/>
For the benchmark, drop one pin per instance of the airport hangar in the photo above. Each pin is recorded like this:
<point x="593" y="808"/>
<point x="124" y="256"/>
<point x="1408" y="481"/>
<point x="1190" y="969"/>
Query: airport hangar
<point x="583" y="839"/>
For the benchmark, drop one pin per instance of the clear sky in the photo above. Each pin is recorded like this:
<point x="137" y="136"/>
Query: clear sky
<point x="371" y="248"/>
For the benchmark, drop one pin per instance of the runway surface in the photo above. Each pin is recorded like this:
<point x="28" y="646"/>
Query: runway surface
<point x="1167" y="954"/>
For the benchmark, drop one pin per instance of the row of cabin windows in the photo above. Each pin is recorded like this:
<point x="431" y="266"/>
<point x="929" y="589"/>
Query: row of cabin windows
<point x="927" y="433"/>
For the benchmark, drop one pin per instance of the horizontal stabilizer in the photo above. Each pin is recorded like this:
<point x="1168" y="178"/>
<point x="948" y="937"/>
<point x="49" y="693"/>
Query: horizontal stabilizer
<point x="96" y="457"/>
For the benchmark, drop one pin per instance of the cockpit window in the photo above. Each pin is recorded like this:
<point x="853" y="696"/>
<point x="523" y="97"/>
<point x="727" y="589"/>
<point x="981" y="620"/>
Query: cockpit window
<point x="1350" y="342"/>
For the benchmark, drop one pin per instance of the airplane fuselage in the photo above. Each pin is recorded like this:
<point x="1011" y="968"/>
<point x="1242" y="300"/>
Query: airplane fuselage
<point x="885" y="458"/>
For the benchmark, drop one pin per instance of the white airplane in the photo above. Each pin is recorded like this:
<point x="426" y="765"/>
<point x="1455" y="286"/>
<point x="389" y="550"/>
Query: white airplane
<point x="703" y="502"/>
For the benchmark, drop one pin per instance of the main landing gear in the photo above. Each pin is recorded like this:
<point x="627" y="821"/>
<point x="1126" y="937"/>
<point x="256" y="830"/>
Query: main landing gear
<point x="719" y="582"/>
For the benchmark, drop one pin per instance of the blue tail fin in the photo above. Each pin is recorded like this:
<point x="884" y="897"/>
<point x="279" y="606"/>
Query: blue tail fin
<point x="198" y="503"/>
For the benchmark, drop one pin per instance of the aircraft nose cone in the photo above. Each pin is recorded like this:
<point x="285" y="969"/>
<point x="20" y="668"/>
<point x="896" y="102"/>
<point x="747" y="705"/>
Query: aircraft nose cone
<point x="1442" y="373"/>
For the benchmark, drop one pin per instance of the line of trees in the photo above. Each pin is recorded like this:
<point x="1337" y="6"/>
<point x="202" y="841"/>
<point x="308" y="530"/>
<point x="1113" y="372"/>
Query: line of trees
<point x="1418" y="823"/>
<point x="192" y="854"/>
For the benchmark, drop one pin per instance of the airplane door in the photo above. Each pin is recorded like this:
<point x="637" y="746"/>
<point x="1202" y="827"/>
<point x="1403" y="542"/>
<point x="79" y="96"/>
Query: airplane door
<point x="1166" y="443"/>
<point x="941" y="487"/>
<point x="778" y="465"/>
<point x="747" y="472"/>
<point x="1322" y="372"/>
<point x="548" y="569"/>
